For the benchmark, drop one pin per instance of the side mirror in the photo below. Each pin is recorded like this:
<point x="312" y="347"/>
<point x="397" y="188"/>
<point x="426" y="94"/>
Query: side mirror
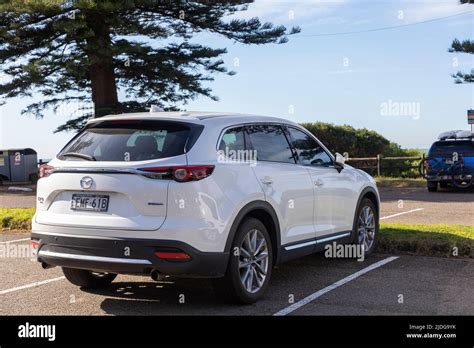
<point x="339" y="162"/>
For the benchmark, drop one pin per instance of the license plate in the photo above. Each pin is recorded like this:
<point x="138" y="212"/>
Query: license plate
<point x="88" y="202"/>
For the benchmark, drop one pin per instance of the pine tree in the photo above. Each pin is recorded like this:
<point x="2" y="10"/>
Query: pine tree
<point x="91" y="52"/>
<point x="466" y="46"/>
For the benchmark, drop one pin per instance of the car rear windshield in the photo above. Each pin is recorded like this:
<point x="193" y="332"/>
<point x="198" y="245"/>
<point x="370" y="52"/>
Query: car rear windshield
<point x="448" y="148"/>
<point x="131" y="140"/>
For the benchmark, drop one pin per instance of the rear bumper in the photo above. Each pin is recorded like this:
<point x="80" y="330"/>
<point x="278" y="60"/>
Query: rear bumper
<point x="128" y="256"/>
<point x="436" y="177"/>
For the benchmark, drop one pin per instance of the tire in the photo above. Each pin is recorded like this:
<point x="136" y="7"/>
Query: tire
<point x="462" y="183"/>
<point x="443" y="184"/>
<point x="432" y="186"/>
<point x="87" y="279"/>
<point x="231" y="286"/>
<point x="371" y="230"/>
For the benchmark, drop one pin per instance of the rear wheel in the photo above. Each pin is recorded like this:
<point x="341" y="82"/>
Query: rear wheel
<point x="88" y="279"/>
<point x="462" y="181"/>
<point x="432" y="186"/>
<point x="250" y="264"/>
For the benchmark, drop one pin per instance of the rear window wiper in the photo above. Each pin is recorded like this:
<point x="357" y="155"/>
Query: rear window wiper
<point x="79" y="155"/>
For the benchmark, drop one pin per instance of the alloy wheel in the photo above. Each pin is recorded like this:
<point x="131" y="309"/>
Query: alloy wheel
<point x="253" y="261"/>
<point x="366" y="228"/>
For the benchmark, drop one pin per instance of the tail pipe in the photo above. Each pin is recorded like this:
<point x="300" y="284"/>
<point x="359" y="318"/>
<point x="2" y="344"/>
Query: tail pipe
<point x="46" y="266"/>
<point x="156" y="275"/>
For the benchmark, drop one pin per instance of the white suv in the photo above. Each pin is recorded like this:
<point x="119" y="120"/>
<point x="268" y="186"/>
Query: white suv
<point x="216" y="195"/>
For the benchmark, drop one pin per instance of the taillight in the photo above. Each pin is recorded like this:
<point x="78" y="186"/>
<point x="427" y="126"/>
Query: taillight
<point x="45" y="170"/>
<point x="181" y="173"/>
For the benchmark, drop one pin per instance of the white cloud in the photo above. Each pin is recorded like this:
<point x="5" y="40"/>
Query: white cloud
<point x="416" y="11"/>
<point x="288" y="11"/>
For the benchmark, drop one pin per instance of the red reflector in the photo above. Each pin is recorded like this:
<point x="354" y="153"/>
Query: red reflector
<point x="172" y="255"/>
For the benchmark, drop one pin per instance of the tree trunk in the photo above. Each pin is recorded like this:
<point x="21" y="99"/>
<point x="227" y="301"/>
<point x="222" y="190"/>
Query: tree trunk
<point x="101" y="69"/>
<point x="104" y="89"/>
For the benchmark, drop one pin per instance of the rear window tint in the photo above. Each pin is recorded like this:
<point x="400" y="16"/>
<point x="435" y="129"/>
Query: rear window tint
<point x="447" y="148"/>
<point x="130" y="140"/>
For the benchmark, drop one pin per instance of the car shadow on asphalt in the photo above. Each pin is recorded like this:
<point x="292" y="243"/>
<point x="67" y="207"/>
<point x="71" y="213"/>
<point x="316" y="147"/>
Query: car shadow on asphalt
<point x="184" y="296"/>
<point x="172" y="297"/>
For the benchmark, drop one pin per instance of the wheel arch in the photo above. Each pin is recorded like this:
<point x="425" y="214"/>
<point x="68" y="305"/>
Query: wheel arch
<point x="372" y="194"/>
<point x="264" y="212"/>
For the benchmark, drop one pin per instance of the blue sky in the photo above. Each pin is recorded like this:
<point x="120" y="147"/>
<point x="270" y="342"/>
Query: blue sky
<point x="342" y="79"/>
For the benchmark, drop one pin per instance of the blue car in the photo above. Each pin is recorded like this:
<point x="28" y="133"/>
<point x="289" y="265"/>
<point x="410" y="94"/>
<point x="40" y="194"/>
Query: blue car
<point x="450" y="161"/>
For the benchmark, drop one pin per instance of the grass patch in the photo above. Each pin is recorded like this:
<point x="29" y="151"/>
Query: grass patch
<point x="385" y="181"/>
<point x="423" y="239"/>
<point x="16" y="218"/>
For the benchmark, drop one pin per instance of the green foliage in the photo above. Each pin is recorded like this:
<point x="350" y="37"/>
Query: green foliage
<point x="365" y="143"/>
<point x="466" y="46"/>
<point x="426" y="239"/>
<point x="408" y="168"/>
<point x="85" y="51"/>
<point x="16" y="218"/>
<point x="356" y="142"/>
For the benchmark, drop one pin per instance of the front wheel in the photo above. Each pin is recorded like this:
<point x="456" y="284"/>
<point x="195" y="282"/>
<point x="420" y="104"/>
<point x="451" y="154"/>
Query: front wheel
<point x="87" y="279"/>
<point x="250" y="264"/>
<point x="366" y="226"/>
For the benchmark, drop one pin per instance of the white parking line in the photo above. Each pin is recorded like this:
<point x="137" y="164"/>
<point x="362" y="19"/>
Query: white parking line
<point x="333" y="286"/>
<point x="32" y="285"/>
<point x="16" y="240"/>
<point x="402" y="213"/>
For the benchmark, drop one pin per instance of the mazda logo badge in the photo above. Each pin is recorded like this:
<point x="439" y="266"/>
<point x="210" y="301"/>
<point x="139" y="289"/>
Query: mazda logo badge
<point x="87" y="182"/>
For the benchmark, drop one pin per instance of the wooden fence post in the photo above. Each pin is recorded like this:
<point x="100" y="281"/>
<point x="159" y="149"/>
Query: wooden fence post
<point x="378" y="164"/>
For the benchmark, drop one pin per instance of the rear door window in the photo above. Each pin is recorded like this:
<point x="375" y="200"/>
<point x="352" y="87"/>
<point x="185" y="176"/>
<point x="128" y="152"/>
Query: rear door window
<point x="129" y="140"/>
<point x="270" y="144"/>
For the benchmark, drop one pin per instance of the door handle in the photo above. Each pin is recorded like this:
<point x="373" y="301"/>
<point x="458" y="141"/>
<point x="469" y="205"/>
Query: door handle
<point x="318" y="182"/>
<point x="266" y="180"/>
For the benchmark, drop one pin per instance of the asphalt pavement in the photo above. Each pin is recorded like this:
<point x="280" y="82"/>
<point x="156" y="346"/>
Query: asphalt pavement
<point x="312" y="285"/>
<point x="403" y="285"/>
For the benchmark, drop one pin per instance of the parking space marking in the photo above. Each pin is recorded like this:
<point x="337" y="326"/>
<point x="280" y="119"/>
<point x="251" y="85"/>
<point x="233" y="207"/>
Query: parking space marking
<point x="15" y="240"/>
<point x="32" y="285"/>
<point x="402" y="213"/>
<point x="333" y="286"/>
